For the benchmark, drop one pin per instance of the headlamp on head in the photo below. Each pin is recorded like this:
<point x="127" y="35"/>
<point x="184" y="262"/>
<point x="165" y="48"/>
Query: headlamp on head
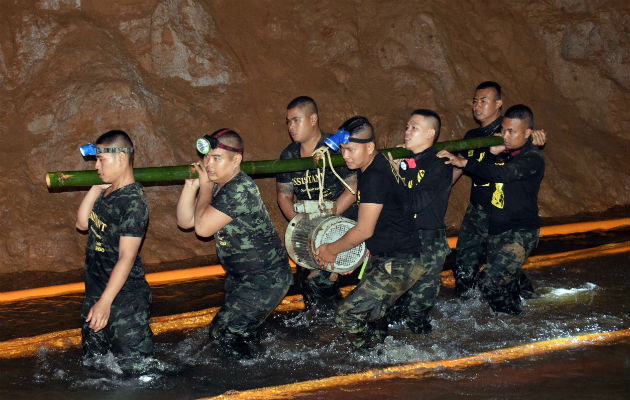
<point x="341" y="137"/>
<point x="91" y="150"/>
<point x="210" y="142"/>
<point x="88" y="150"/>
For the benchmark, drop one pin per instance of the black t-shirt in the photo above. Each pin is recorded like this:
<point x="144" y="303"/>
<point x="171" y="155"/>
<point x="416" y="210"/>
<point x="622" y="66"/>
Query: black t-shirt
<point x="515" y="184"/>
<point x="394" y="232"/>
<point x="333" y="188"/>
<point x="428" y="181"/>
<point x="481" y="191"/>
<point x="249" y="243"/>
<point x="123" y="212"/>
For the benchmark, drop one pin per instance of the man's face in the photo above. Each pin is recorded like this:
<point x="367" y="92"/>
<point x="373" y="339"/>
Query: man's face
<point x="485" y="106"/>
<point x="300" y="125"/>
<point x="109" y="166"/>
<point x="356" y="155"/>
<point x="515" y="133"/>
<point x="220" y="165"/>
<point x="417" y="133"/>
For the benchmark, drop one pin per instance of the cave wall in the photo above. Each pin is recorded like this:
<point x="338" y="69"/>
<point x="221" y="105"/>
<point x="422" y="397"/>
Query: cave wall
<point x="167" y="71"/>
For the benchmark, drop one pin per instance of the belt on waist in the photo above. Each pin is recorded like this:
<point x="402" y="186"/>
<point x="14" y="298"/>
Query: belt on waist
<point x="396" y="254"/>
<point x="431" y="233"/>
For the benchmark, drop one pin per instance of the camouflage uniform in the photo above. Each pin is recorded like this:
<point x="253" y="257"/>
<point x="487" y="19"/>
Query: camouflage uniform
<point x="415" y="306"/>
<point x="499" y="281"/>
<point x="428" y="182"/>
<point x="395" y="265"/>
<point x="513" y="226"/>
<point x="258" y="274"/>
<point x="122" y="213"/>
<point x="249" y="299"/>
<point x="472" y="238"/>
<point x="472" y="242"/>
<point x="127" y="332"/>
<point x="362" y="312"/>
<point x="317" y="290"/>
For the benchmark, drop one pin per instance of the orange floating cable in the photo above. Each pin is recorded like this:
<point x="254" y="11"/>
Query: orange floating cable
<point x="48" y="291"/>
<point x="154" y="278"/>
<point x="580" y="227"/>
<point x="422" y="369"/>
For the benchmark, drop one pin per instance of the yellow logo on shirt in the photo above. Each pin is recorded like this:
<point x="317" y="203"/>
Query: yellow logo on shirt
<point x="498" y="198"/>
<point x="420" y="175"/>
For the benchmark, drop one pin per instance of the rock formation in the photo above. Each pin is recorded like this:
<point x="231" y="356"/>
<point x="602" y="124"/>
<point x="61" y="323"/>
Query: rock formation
<point x="167" y="71"/>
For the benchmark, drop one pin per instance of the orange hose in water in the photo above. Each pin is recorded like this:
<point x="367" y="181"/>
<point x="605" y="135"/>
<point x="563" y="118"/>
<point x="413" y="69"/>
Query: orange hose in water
<point x="190" y="274"/>
<point x="423" y="369"/>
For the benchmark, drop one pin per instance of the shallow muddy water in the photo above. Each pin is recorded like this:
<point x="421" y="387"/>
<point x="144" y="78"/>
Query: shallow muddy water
<point x="574" y="298"/>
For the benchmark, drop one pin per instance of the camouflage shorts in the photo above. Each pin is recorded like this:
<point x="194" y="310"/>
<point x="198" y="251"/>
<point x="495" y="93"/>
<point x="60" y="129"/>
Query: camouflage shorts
<point x="415" y="306"/>
<point x="472" y="241"/>
<point x="127" y="332"/>
<point x="500" y="281"/>
<point x="249" y="299"/>
<point x="361" y="313"/>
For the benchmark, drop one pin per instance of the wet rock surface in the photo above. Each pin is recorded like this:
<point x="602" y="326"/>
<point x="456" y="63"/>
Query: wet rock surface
<point x="168" y="71"/>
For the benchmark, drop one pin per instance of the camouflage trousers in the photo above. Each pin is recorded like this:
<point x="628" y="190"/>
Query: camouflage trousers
<point x="414" y="307"/>
<point x="249" y="299"/>
<point x="472" y="242"/>
<point x="500" y="281"/>
<point x="362" y="313"/>
<point x="472" y="252"/>
<point x="317" y="290"/>
<point x="127" y="332"/>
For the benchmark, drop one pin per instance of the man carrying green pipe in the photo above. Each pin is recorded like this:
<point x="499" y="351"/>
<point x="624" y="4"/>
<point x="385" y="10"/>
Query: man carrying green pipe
<point x="514" y="222"/>
<point x="229" y="206"/>
<point x="319" y="292"/>
<point x="115" y="310"/>
<point x="472" y="239"/>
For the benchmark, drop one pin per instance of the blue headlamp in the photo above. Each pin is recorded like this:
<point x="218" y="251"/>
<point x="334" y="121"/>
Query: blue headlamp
<point x="91" y="150"/>
<point x="88" y="150"/>
<point x="341" y="137"/>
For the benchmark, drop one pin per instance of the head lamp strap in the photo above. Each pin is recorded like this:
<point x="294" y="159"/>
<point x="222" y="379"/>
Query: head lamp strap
<point x="114" y="150"/>
<point x="229" y="148"/>
<point x="214" y="142"/>
<point x="357" y="140"/>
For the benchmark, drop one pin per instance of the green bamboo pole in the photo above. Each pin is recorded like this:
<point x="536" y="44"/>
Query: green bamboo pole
<point x="63" y="179"/>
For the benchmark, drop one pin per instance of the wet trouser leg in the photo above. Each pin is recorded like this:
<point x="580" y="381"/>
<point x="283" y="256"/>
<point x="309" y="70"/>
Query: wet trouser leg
<point x="361" y="314"/>
<point x="501" y="279"/>
<point x="472" y="242"/>
<point x="127" y="332"/>
<point x="317" y="290"/>
<point x="249" y="299"/>
<point x="422" y="296"/>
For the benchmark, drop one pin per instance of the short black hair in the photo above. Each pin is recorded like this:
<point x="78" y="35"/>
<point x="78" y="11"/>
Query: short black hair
<point x="522" y="112"/>
<point x="356" y="125"/>
<point x="490" y="85"/>
<point x="431" y="116"/>
<point x="304" y="102"/>
<point x="116" y="138"/>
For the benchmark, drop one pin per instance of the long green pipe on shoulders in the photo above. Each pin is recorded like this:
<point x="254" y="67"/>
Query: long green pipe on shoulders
<point x="65" y="179"/>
